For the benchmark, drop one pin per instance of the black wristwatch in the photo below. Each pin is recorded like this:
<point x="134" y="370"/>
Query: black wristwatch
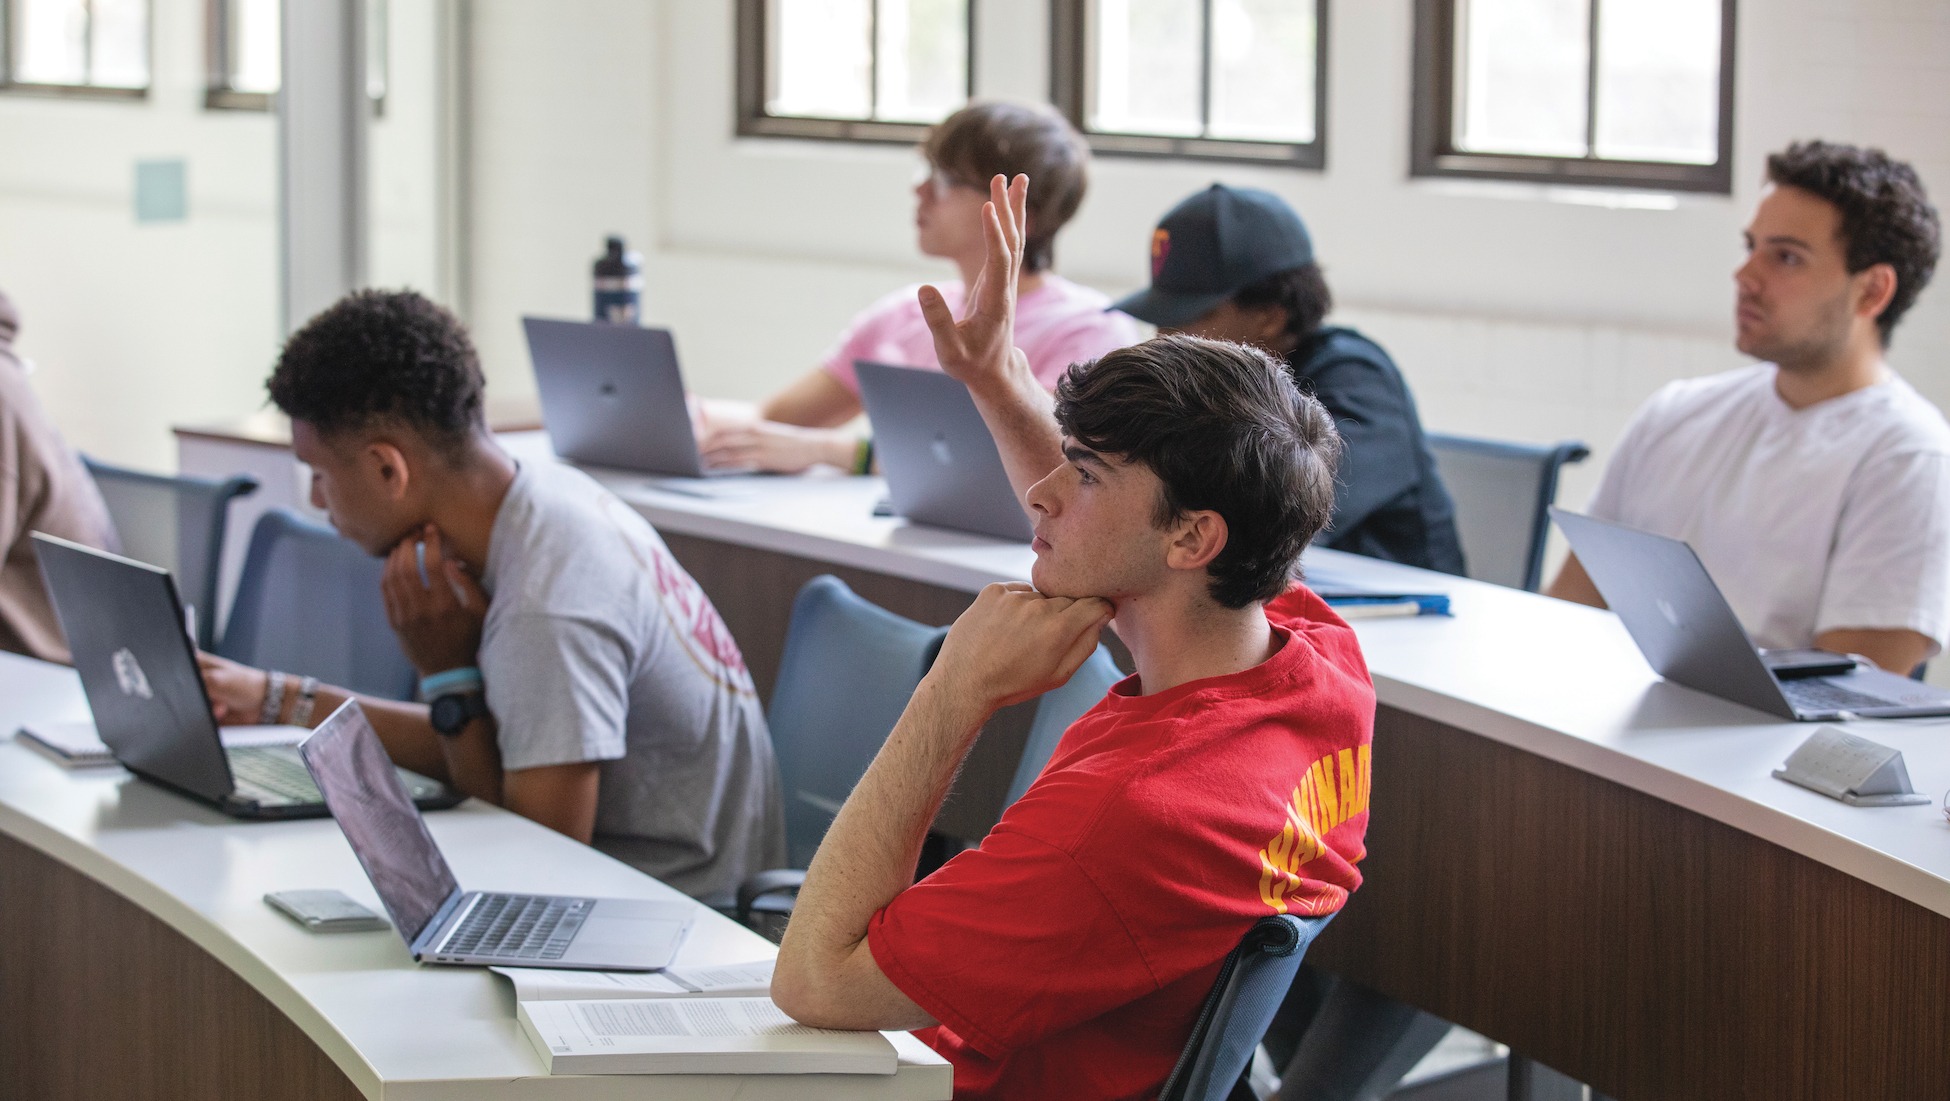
<point x="452" y="712"/>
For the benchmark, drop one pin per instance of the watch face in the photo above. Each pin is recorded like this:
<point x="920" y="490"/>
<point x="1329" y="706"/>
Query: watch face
<point x="449" y="713"/>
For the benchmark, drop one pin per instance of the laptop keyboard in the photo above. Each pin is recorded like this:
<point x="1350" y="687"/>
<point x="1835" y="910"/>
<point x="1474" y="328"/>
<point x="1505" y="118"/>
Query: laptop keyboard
<point x="522" y="927"/>
<point x="272" y="774"/>
<point x="1822" y="695"/>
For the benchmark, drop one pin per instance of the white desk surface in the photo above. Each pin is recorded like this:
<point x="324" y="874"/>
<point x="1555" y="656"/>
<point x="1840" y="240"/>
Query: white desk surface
<point x="395" y="1028"/>
<point x="1558" y="680"/>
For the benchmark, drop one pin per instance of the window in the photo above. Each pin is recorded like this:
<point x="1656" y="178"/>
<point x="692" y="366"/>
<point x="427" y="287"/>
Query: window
<point x="865" y="70"/>
<point x="76" y="47"/>
<point x="246" y="54"/>
<point x="1229" y="79"/>
<point x="1628" y="93"/>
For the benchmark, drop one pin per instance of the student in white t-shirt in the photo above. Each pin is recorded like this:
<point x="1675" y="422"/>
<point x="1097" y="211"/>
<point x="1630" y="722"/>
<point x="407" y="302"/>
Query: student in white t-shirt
<point x="1057" y="322"/>
<point x="1815" y="486"/>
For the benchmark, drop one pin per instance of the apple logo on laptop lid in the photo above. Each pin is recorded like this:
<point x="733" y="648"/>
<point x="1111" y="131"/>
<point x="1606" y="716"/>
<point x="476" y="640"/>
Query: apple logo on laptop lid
<point x="129" y="675"/>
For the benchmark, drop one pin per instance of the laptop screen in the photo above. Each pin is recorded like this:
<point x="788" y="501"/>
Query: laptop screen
<point x="370" y="801"/>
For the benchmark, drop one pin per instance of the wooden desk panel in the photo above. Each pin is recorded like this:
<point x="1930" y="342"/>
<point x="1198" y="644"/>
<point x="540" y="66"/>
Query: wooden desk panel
<point x="102" y="1000"/>
<point x="1639" y="947"/>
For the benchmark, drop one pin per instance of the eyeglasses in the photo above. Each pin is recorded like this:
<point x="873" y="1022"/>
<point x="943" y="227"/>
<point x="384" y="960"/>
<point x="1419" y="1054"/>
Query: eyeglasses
<point x="940" y="182"/>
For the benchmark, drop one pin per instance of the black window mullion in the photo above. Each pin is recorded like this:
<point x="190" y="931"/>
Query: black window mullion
<point x="1591" y="82"/>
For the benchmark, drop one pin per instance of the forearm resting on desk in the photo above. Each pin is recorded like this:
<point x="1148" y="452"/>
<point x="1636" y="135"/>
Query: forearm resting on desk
<point x="826" y="975"/>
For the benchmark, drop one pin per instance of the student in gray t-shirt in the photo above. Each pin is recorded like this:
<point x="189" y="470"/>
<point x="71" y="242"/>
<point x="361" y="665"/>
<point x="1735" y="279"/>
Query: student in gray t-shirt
<point x="575" y="673"/>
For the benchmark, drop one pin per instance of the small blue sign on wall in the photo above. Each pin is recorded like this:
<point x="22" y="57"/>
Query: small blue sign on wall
<point x="162" y="192"/>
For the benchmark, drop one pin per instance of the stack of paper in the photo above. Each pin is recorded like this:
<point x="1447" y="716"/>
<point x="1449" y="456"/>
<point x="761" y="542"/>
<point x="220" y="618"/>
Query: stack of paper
<point x="737" y="980"/>
<point x="76" y="744"/>
<point x="694" y="1036"/>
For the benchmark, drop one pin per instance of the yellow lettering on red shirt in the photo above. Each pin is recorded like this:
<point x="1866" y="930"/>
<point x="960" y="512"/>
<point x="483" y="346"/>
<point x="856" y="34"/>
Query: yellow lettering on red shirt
<point x="1323" y="771"/>
<point x="1333" y="789"/>
<point x="1350" y="785"/>
<point x="1366" y="757"/>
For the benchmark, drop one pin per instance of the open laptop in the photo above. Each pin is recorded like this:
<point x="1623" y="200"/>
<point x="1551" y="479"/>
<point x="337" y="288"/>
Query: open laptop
<point x="442" y="923"/>
<point x="124" y="624"/>
<point x="612" y="395"/>
<point x="941" y="464"/>
<point x="1689" y="634"/>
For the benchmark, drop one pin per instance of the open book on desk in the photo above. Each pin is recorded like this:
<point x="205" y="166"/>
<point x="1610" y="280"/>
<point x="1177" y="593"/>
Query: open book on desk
<point x="733" y="980"/>
<point x="694" y="1036"/>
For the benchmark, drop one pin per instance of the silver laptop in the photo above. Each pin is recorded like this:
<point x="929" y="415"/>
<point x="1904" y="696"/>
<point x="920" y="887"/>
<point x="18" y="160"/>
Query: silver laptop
<point x="1689" y="634"/>
<point x="612" y="395"/>
<point x="941" y="464"/>
<point x="442" y="923"/>
<point x="125" y="626"/>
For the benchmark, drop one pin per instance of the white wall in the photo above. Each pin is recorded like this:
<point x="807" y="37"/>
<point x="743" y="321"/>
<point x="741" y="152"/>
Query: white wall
<point x="1513" y="314"/>
<point x="135" y="327"/>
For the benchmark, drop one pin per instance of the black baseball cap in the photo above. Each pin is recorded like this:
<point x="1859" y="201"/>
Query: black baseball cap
<point x="1214" y="245"/>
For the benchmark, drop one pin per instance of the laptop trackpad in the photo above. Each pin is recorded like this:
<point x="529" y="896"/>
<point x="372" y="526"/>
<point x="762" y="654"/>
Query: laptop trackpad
<point x="623" y="933"/>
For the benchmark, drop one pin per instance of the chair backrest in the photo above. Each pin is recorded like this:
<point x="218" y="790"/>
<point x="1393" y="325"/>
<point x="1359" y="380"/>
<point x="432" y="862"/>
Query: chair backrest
<point x="309" y="603"/>
<point x="1251" y="984"/>
<point x="848" y="670"/>
<point x="1055" y="711"/>
<point x="1503" y="492"/>
<point x="176" y="522"/>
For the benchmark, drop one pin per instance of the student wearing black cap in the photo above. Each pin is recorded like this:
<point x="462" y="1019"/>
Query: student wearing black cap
<point x="1237" y="264"/>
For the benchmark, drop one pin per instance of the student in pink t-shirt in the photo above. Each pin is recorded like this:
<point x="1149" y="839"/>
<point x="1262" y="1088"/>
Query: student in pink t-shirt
<point x="1057" y="322"/>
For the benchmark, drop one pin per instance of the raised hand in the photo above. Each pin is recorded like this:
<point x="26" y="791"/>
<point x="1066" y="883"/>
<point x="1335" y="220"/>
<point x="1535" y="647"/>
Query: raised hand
<point x="980" y="347"/>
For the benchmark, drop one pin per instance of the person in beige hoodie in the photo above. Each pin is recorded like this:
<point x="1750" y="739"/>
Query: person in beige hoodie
<point x="43" y="487"/>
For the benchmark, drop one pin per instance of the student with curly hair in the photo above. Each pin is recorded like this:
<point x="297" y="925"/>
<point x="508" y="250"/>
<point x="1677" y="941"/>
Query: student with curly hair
<point x="1815" y="485"/>
<point x="573" y="672"/>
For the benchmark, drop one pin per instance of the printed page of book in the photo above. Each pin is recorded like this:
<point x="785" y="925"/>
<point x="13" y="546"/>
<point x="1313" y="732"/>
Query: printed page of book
<point x="694" y="1036"/>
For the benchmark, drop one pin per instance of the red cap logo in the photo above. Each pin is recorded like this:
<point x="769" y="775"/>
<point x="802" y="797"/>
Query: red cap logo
<point x="1160" y="248"/>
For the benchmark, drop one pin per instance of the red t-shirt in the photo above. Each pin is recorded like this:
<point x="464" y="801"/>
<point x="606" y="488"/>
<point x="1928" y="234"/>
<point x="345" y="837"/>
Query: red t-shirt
<point x="1068" y="956"/>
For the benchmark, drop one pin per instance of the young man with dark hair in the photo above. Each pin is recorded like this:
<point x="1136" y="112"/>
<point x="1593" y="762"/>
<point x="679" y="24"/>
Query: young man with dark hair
<point x="1058" y="322"/>
<point x="574" y="673"/>
<point x="1815" y="485"/>
<point x="1173" y="489"/>
<point x="1238" y="264"/>
<point x="43" y="487"/>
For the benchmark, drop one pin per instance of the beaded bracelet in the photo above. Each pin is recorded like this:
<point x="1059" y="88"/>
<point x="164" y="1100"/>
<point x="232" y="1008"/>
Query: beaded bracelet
<point x="863" y="456"/>
<point x="307" y="699"/>
<point x="273" y="699"/>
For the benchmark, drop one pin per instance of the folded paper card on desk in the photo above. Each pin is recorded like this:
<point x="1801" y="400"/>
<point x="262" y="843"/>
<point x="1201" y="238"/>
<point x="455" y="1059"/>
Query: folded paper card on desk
<point x="75" y="744"/>
<point x="1853" y="769"/>
<point x="735" y="980"/>
<point x="694" y="1036"/>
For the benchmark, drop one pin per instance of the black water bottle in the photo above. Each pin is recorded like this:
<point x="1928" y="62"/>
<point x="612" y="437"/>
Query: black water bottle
<point x="619" y="284"/>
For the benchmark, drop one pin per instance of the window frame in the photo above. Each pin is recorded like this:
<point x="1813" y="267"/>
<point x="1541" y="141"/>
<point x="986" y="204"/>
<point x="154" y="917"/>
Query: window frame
<point x="10" y="86"/>
<point x="1070" y="66"/>
<point x="1432" y="128"/>
<point x="218" y="95"/>
<point x="754" y="121"/>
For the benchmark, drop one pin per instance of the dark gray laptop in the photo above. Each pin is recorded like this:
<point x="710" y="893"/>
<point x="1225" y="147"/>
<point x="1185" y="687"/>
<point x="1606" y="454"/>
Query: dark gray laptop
<point x="612" y="395"/>
<point x="442" y="923"/>
<point x="941" y="464"/>
<point x="138" y="668"/>
<point x="1689" y="634"/>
